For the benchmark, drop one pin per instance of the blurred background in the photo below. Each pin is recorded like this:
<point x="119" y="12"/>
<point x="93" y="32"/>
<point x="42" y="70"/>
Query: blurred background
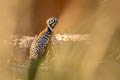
<point x="98" y="60"/>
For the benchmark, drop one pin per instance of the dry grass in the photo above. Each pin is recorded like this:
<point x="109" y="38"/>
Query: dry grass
<point x="73" y="61"/>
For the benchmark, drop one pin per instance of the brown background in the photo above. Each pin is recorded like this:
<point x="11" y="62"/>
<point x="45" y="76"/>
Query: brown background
<point x="99" y="18"/>
<point x="32" y="15"/>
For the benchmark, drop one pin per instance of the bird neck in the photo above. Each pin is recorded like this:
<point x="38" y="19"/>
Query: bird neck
<point x="50" y="29"/>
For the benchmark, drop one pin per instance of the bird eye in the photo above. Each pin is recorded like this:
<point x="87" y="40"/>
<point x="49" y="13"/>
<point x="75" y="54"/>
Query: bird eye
<point x="51" y="21"/>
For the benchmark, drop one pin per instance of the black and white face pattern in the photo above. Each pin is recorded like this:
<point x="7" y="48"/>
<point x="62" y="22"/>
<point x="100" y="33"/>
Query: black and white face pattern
<point x="51" y="22"/>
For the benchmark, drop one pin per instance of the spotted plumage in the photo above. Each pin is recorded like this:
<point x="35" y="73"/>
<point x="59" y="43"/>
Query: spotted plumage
<point x="40" y="42"/>
<point x="38" y="47"/>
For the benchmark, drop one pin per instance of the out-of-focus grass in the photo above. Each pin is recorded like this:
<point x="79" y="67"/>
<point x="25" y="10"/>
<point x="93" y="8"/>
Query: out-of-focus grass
<point x="73" y="60"/>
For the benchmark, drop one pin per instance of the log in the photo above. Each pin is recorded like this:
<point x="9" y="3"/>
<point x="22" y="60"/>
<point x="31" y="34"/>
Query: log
<point x="25" y="41"/>
<point x="21" y="44"/>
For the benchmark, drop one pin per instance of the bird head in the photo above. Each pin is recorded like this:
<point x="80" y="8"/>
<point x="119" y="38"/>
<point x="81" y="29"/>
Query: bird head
<point x="51" y="22"/>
